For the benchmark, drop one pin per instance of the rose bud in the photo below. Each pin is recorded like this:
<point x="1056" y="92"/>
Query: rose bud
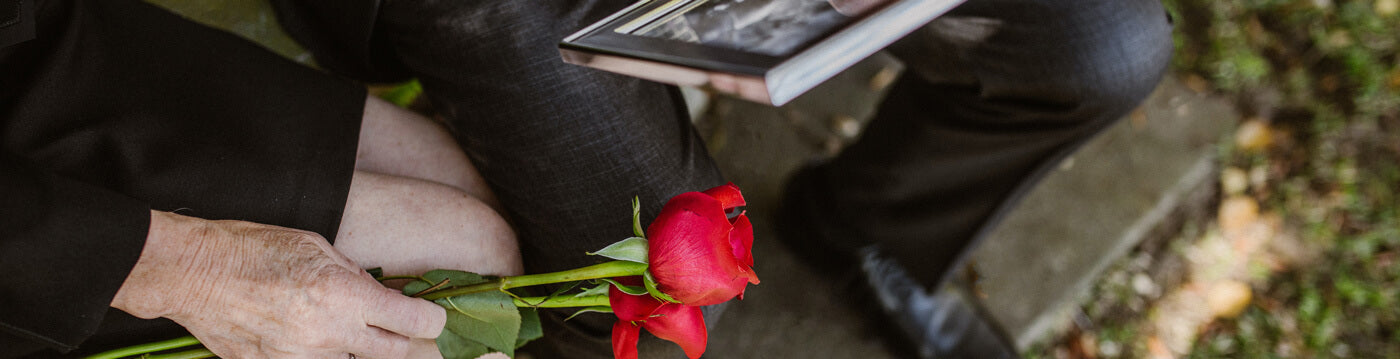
<point x="698" y="255"/>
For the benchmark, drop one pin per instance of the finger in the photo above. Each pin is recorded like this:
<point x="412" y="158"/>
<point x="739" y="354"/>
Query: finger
<point x="412" y="317"/>
<point x="423" y="349"/>
<point x="378" y="343"/>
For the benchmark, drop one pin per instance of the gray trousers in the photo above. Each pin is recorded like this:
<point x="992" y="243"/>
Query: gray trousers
<point x="999" y="89"/>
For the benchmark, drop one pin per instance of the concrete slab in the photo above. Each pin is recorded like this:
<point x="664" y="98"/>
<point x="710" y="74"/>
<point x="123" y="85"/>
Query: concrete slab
<point x="1125" y="186"/>
<point x="1129" y="184"/>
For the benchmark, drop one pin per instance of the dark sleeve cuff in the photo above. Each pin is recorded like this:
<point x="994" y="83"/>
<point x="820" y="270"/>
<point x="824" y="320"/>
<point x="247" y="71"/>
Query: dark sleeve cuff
<point x="65" y="249"/>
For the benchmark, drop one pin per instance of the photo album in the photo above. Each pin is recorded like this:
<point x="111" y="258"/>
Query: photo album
<point x="767" y="51"/>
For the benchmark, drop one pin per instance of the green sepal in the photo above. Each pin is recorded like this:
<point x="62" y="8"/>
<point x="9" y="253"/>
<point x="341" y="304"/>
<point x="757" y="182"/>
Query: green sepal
<point x="637" y="217"/>
<point x="633" y="249"/>
<point x="633" y="290"/>
<point x="650" y="284"/>
<point x="601" y="289"/>
<point x="557" y="292"/>
<point x="597" y="309"/>
<point x="376" y="272"/>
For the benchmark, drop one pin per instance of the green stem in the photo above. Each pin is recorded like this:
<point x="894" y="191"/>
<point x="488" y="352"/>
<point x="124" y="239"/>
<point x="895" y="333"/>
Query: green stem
<point x="603" y="270"/>
<point x="146" y="348"/>
<point x="188" y="354"/>
<point x="562" y="302"/>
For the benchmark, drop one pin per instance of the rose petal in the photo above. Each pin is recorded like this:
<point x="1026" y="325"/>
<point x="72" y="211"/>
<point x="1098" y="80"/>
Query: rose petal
<point x="728" y="195"/>
<point x="690" y="252"/>
<point x="629" y="307"/>
<point x="741" y="240"/>
<point x="624" y="339"/>
<point x="680" y="324"/>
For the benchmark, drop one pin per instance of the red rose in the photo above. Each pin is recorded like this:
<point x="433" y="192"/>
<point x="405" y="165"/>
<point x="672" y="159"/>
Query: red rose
<point x="697" y="254"/>
<point x="678" y="323"/>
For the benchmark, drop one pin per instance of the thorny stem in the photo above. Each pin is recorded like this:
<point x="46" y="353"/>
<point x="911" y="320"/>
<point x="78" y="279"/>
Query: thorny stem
<point x="146" y="348"/>
<point x="603" y="270"/>
<point x="432" y="288"/>
<point x="188" y="354"/>
<point x="562" y="301"/>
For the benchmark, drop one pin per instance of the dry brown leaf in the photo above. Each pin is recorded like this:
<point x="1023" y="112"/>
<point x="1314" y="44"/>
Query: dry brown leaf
<point x="1387" y="7"/>
<point x="1158" y="350"/>
<point x="1234" y="181"/>
<point x="1253" y="135"/>
<point x="1237" y="213"/>
<point x="1197" y="83"/>
<point x="1228" y="298"/>
<point x="1139" y="118"/>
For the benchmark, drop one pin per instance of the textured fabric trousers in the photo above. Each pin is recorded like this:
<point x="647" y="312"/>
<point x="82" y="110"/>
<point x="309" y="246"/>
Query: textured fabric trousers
<point x="999" y="91"/>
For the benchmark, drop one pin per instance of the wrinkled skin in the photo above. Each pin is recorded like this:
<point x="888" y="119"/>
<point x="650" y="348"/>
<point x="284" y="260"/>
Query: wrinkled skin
<point x="255" y="291"/>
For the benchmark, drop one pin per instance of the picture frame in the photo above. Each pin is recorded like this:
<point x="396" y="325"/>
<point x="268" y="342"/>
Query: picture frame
<point x="767" y="51"/>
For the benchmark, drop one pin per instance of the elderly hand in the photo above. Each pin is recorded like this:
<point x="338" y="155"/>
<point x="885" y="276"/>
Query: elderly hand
<point x="249" y="290"/>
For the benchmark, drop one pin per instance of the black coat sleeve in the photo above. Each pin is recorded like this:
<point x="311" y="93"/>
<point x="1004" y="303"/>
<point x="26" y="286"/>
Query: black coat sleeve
<point x="65" y="248"/>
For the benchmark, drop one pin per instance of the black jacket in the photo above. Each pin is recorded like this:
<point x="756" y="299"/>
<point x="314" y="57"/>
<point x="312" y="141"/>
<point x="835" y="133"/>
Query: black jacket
<point x="61" y="263"/>
<point x="111" y="108"/>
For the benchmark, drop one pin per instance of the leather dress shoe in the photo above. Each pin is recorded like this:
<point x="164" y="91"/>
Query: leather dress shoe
<point x="946" y="323"/>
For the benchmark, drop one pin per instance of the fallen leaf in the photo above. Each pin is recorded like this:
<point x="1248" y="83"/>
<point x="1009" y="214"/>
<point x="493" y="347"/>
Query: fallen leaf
<point x="1237" y="213"/>
<point x="1234" y="181"/>
<point x="1228" y="298"/>
<point x="1197" y="83"/>
<point x="1387" y="7"/>
<point x="1158" y="350"/>
<point x="1139" y="118"/>
<point x="1252" y="136"/>
<point x="1088" y="346"/>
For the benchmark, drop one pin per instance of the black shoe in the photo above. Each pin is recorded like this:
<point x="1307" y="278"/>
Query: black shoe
<point x="948" y="323"/>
